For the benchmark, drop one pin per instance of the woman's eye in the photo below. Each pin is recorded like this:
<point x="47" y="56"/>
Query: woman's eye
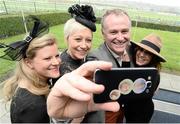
<point x="88" y="40"/>
<point x="57" y="56"/>
<point x="78" y="39"/>
<point x="48" y="58"/>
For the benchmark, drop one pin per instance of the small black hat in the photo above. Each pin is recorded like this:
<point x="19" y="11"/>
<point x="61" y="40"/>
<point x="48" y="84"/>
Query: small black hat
<point x="84" y="14"/>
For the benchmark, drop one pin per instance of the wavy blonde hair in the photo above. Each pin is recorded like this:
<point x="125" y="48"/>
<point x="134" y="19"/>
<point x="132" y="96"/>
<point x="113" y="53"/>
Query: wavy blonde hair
<point x="24" y="73"/>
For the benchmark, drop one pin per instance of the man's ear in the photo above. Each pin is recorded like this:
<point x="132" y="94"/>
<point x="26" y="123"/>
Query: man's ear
<point x="28" y="62"/>
<point x="102" y="31"/>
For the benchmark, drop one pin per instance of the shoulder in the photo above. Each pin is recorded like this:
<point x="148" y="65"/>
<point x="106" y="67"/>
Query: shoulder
<point x="64" y="55"/>
<point x="98" y="53"/>
<point x="27" y="107"/>
<point x="24" y="99"/>
<point x="101" y="49"/>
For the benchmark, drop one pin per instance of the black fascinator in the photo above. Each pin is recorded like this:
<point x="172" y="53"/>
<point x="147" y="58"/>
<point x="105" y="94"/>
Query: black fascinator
<point x="84" y="14"/>
<point x="17" y="50"/>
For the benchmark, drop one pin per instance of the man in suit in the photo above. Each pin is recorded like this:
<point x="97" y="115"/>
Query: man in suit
<point x="116" y="31"/>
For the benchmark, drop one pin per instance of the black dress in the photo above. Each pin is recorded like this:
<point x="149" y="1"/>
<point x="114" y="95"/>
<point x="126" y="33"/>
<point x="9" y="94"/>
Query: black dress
<point x="28" y="108"/>
<point x="68" y="63"/>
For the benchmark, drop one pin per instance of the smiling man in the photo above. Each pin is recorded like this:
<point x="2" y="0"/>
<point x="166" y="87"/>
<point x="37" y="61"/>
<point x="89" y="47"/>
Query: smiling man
<point x="116" y="31"/>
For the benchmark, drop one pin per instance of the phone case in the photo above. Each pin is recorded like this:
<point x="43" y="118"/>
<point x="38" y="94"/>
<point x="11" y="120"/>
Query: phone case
<point x="126" y="84"/>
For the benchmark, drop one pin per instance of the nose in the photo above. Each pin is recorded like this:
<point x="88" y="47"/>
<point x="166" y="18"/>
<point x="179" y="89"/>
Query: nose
<point x="56" y="61"/>
<point x="142" y="53"/>
<point x="120" y="36"/>
<point x="83" y="45"/>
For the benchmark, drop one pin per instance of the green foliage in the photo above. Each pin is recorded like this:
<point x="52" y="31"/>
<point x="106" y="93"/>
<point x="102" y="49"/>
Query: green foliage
<point x="156" y="26"/>
<point x="151" y="26"/>
<point x="98" y="20"/>
<point x="13" y="25"/>
<point x="58" y="32"/>
<point x="55" y="18"/>
<point x="170" y="49"/>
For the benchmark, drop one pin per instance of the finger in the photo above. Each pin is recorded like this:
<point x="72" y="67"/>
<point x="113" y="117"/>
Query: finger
<point x="83" y="84"/>
<point x="109" y="106"/>
<point x="88" y="68"/>
<point x="64" y="87"/>
<point x="76" y="94"/>
<point x="76" y="87"/>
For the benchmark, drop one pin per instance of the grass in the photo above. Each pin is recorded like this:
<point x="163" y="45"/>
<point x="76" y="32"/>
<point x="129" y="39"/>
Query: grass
<point x="170" y="48"/>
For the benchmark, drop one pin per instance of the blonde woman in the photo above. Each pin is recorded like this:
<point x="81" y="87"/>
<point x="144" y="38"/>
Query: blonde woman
<point x="28" y="88"/>
<point x="78" y="34"/>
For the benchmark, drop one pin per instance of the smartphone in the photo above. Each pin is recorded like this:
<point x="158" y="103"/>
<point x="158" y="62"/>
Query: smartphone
<point x="126" y="84"/>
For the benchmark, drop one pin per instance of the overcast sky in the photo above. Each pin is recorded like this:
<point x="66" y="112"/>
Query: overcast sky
<point x="161" y="2"/>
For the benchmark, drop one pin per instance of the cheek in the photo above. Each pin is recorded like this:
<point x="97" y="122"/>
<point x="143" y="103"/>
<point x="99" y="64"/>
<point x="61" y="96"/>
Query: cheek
<point x="107" y="36"/>
<point x="111" y="37"/>
<point x="148" y="59"/>
<point x="127" y="36"/>
<point x="40" y="66"/>
<point x="89" y="45"/>
<point x="126" y="43"/>
<point x="136" y="56"/>
<point x="109" y="40"/>
<point x="73" y="45"/>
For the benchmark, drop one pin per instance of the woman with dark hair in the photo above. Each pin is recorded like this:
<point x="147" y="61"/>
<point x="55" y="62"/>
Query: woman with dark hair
<point x="147" y="54"/>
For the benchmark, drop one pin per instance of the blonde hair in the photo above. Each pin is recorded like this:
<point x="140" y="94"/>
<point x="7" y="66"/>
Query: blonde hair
<point x="72" y="26"/>
<point x="117" y="12"/>
<point x="24" y="73"/>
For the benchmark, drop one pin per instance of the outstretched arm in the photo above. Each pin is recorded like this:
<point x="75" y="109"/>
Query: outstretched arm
<point x="71" y="96"/>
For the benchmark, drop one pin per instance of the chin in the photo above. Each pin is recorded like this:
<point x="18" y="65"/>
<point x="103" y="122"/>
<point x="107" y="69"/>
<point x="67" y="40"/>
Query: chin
<point x="140" y="64"/>
<point x="80" y="57"/>
<point x="55" y="75"/>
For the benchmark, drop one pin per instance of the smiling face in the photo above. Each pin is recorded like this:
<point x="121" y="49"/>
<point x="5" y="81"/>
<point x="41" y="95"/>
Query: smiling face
<point x="46" y="62"/>
<point x="143" y="57"/>
<point x="116" y="32"/>
<point x="79" y="43"/>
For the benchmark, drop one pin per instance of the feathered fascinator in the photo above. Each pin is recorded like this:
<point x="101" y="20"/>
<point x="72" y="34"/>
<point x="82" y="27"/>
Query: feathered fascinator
<point x="84" y="14"/>
<point x="17" y="50"/>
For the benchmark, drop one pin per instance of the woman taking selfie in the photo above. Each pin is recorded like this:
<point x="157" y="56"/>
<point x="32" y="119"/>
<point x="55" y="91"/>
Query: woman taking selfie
<point x="28" y="88"/>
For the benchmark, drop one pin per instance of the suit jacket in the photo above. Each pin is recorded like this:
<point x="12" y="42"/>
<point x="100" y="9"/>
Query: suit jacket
<point x="102" y="53"/>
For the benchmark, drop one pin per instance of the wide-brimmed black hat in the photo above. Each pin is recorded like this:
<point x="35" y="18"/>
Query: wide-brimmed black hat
<point x="84" y="14"/>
